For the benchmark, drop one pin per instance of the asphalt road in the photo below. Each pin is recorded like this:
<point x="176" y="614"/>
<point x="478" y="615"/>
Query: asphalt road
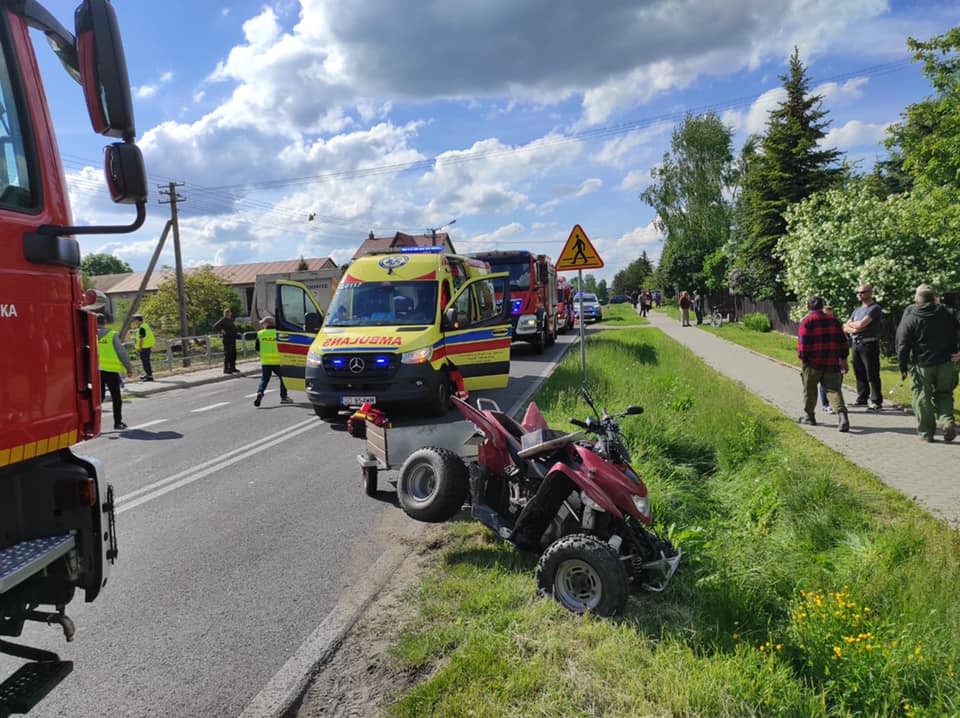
<point x="239" y="528"/>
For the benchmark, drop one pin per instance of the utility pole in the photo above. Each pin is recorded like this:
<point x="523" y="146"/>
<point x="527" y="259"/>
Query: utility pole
<point x="171" y="192"/>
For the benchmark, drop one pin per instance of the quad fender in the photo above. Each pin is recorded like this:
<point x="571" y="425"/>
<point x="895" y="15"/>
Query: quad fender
<point x="606" y="484"/>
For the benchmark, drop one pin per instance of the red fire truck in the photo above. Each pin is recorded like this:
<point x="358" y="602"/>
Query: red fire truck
<point x="56" y="511"/>
<point x="565" y="315"/>
<point x="533" y="294"/>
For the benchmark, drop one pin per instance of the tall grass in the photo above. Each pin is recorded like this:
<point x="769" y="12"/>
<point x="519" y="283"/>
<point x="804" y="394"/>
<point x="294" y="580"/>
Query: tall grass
<point x="807" y="587"/>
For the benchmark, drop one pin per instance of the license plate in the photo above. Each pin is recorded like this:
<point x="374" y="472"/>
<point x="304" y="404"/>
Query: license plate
<point x="357" y="400"/>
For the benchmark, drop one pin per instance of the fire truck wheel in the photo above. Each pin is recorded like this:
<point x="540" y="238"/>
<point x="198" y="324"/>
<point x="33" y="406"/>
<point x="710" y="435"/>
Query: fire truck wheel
<point x="325" y="412"/>
<point x="432" y="485"/>
<point x="583" y="574"/>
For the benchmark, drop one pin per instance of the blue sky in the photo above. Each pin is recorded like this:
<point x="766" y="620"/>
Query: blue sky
<point x="517" y="119"/>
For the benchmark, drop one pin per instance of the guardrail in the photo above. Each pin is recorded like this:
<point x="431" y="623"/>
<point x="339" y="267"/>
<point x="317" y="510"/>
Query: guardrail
<point x="207" y="350"/>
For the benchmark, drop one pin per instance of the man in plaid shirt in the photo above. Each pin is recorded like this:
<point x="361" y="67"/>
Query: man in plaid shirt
<point x="822" y="347"/>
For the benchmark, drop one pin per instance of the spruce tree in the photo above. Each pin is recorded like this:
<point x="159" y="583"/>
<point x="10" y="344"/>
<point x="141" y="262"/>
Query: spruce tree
<point x="790" y="166"/>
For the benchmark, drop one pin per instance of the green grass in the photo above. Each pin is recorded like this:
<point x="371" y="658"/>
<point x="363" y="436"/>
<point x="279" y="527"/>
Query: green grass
<point x="784" y="347"/>
<point x="807" y="587"/>
<point x="622" y="315"/>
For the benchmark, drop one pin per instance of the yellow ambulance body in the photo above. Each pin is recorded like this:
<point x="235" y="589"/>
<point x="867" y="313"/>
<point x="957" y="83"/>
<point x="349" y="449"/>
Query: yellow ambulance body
<point x="402" y="325"/>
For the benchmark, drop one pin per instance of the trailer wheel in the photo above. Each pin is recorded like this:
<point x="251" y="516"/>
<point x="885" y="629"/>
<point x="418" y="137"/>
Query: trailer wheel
<point x="583" y="574"/>
<point x="325" y="412"/>
<point x="433" y="484"/>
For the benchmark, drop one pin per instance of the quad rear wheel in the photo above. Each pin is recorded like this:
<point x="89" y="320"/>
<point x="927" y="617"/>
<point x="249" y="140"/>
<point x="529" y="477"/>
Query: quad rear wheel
<point x="583" y="574"/>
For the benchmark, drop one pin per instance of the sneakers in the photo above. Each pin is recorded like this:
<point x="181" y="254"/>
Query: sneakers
<point x="286" y="400"/>
<point x="119" y="426"/>
<point x="873" y="407"/>
<point x="807" y="419"/>
<point x="861" y="402"/>
<point x="925" y="438"/>
<point x="146" y="378"/>
<point x="827" y="409"/>
<point x="256" y="402"/>
<point x="950" y="433"/>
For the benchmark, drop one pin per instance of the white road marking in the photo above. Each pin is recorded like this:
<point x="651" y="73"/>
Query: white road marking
<point x="158" y="488"/>
<point x="208" y="408"/>
<point x="144" y="426"/>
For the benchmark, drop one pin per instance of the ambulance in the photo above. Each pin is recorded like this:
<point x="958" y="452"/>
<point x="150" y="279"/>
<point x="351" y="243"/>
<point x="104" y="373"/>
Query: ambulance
<point x="407" y="328"/>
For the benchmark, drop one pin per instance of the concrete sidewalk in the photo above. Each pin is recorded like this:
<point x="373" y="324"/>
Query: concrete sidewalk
<point x="884" y="443"/>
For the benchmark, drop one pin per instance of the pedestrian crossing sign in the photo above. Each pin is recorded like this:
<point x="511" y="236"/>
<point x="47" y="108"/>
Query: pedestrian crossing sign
<point x="578" y="253"/>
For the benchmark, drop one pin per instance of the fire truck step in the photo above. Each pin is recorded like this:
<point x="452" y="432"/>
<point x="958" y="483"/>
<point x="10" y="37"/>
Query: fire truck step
<point x="24" y="559"/>
<point x="30" y="683"/>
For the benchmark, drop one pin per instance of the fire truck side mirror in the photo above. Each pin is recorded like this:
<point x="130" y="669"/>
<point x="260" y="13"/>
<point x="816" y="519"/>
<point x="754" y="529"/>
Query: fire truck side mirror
<point x="126" y="175"/>
<point x="103" y="70"/>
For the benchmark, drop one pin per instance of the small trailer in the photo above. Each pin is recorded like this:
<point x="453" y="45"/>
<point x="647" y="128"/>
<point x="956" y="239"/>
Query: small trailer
<point x="388" y="448"/>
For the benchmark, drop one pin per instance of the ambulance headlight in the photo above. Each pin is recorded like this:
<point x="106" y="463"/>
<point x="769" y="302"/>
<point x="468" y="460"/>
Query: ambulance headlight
<point x="314" y="359"/>
<point x="417" y="356"/>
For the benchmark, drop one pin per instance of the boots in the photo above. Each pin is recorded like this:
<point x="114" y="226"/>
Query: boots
<point x="843" y="422"/>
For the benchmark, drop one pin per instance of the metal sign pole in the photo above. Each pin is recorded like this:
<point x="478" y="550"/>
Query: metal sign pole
<point x="583" y="341"/>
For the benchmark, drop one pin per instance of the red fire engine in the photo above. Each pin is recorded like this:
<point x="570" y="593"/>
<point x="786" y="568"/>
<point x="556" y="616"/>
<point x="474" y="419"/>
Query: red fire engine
<point x="533" y="294"/>
<point x="565" y="315"/>
<point x="56" y="511"/>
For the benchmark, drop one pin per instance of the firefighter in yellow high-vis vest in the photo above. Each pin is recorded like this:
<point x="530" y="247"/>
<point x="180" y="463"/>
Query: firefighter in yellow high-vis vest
<point x="113" y="360"/>
<point x="144" y="342"/>
<point x="266" y="345"/>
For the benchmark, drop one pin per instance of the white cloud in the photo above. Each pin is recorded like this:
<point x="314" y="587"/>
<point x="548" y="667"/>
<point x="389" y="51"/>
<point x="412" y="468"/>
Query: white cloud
<point x="835" y="94"/>
<point x="635" y="181"/>
<point x="144" y="92"/>
<point x="635" y="146"/>
<point x="589" y="187"/>
<point x="755" y="119"/>
<point x="855" y="134"/>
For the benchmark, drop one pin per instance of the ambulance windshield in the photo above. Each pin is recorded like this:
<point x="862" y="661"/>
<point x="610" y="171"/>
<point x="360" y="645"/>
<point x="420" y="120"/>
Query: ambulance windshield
<point x="373" y="304"/>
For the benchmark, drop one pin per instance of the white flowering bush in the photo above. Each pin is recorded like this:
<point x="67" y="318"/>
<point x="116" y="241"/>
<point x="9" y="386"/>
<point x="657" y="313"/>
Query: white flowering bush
<point x="844" y="237"/>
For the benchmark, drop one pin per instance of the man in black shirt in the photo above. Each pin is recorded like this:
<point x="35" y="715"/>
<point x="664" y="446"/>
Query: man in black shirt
<point x="864" y="326"/>
<point x="228" y="331"/>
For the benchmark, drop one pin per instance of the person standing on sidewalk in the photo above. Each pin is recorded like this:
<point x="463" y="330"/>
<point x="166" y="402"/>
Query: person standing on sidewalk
<point x="864" y="326"/>
<point x="698" y="306"/>
<point x="228" y="331"/>
<point x="144" y="343"/>
<point x="113" y="359"/>
<point x="266" y="345"/>
<point x="684" y="302"/>
<point x="927" y="338"/>
<point x="822" y="348"/>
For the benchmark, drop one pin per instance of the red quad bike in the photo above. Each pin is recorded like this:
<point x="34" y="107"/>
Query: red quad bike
<point x="575" y="501"/>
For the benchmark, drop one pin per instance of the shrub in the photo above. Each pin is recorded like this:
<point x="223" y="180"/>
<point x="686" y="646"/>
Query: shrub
<point x="757" y="322"/>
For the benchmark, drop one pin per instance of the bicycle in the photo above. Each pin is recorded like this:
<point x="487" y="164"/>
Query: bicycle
<point x="716" y="317"/>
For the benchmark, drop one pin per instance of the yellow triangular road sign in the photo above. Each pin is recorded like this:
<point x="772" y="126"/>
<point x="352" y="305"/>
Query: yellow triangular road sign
<point x="578" y="253"/>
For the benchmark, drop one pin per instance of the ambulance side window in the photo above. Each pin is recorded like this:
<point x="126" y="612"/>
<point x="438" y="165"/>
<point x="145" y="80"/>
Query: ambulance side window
<point x="486" y="300"/>
<point x="463" y="309"/>
<point x="293" y="308"/>
<point x="458" y="273"/>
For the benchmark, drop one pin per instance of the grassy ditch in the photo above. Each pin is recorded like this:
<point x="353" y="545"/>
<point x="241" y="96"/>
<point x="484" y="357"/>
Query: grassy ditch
<point x="622" y="315"/>
<point x="807" y="587"/>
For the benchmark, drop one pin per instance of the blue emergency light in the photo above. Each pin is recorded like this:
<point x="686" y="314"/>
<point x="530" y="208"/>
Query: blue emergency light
<point x="381" y="360"/>
<point x="423" y="250"/>
<point x="338" y="362"/>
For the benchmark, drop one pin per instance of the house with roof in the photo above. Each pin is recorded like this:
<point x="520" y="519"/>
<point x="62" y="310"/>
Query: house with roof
<point x="399" y="240"/>
<point x="240" y="277"/>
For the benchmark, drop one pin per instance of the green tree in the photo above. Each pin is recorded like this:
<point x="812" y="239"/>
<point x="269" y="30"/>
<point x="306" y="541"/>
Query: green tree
<point x="789" y="167"/>
<point x="690" y="195"/>
<point x="633" y="276"/>
<point x="589" y="283"/>
<point x="928" y="135"/>
<point x="206" y="294"/>
<point x="602" y="293"/>
<point x="97" y="264"/>
<point x="847" y="236"/>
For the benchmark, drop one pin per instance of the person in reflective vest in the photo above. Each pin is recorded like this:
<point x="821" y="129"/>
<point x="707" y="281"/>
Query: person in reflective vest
<point x="113" y="360"/>
<point x="144" y="342"/>
<point x="269" y="350"/>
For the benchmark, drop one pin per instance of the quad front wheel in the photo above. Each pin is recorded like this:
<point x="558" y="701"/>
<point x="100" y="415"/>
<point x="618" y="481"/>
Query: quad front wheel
<point x="433" y="484"/>
<point x="583" y="574"/>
